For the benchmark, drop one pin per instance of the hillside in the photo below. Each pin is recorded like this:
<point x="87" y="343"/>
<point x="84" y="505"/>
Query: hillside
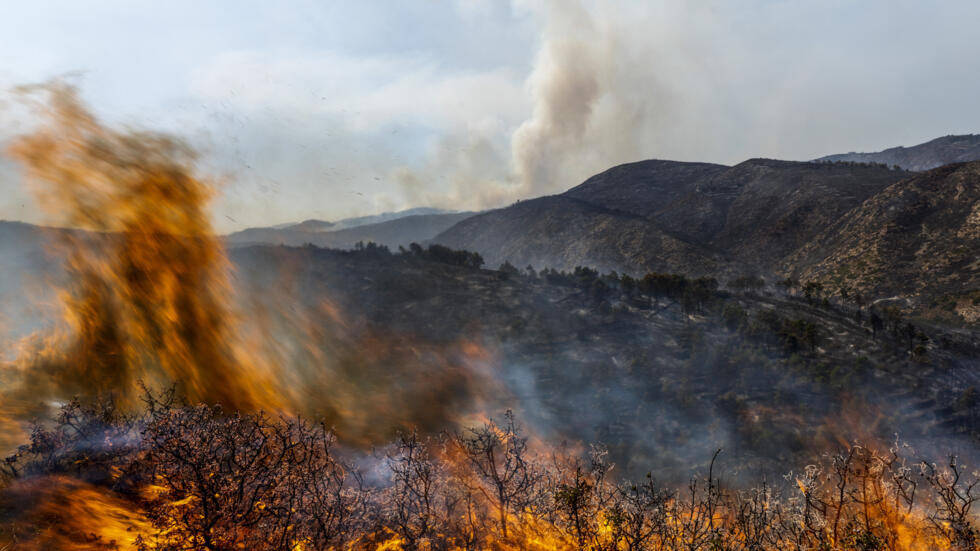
<point x="586" y="357"/>
<point x="685" y="217"/>
<point x="925" y="156"/>
<point x="590" y="357"/>
<point x="887" y="234"/>
<point x="781" y="205"/>
<point x="411" y="360"/>
<point x="918" y="238"/>
<point x="564" y="232"/>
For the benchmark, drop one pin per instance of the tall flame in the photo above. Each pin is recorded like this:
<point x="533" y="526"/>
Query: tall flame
<point x="148" y="298"/>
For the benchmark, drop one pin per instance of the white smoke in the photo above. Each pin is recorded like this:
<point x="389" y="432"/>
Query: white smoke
<point x="596" y="100"/>
<point x="566" y="87"/>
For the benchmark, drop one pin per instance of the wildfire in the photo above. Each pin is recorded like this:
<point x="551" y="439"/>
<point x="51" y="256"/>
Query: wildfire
<point x="148" y="298"/>
<point x="150" y="301"/>
<point x="198" y="478"/>
<point x="64" y="513"/>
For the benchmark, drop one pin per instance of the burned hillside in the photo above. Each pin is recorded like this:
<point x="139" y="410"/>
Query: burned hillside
<point x="688" y="363"/>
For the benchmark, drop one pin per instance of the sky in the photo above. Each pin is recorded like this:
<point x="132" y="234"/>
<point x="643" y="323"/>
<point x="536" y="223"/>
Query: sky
<point x="329" y="109"/>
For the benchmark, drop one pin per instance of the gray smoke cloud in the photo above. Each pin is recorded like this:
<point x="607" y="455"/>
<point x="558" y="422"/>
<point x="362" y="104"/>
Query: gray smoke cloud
<point x="615" y="82"/>
<point x="595" y="101"/>
<point x="566" y="88"/>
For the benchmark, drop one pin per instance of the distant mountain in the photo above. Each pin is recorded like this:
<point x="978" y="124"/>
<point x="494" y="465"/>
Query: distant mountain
<point x="656" y="215"/>
<point x="918" y="238"/>
<point x="314" y="225"/>
<point x="308" y="226"/>
<point x="391" y="230"/>
<point x="925" y="156"/>
<point x="386" y="216"/>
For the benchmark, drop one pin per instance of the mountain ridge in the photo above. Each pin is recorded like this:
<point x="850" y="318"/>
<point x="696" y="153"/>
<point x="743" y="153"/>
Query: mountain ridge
<point x="762" y="217"/>
<point x="724" y="212"/>
<point x="937" y="152"/>
<point x="395" y="232"/>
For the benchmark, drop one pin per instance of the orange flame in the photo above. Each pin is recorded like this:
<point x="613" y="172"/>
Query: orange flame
<point x="149" y="280"/>
<point x="67" y="514"/>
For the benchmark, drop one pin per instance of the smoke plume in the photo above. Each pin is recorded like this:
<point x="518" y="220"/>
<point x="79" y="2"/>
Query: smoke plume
<point x="566" y="87"/>
<point x="591" y="108"/>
